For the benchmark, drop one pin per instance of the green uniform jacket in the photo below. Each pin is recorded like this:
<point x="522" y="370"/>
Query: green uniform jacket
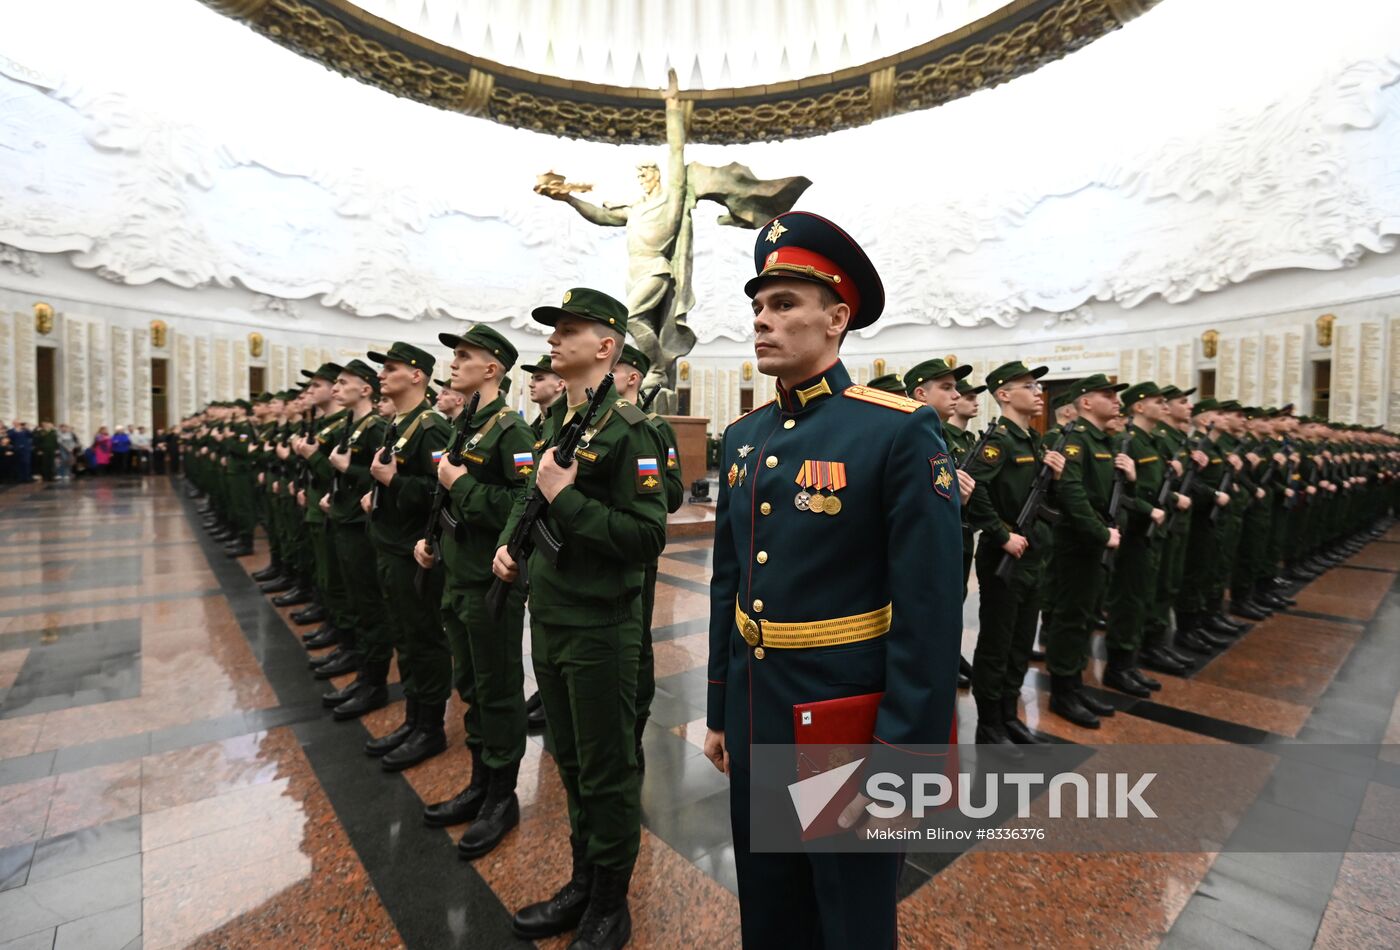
<point x="960" y="442"/>
<point x="499" y="459"/>
<point x="675" y="482"/>
<point x="1140" y="496"/>
<point x="398" y="520"/>
<point x="366" y="434"/>
<point x="1005" y="470"/>
<point x="238" y="447"/>
<point x="319" y="470"/>
<point x="612" y="520"/>
<point x="1085" y="487"/>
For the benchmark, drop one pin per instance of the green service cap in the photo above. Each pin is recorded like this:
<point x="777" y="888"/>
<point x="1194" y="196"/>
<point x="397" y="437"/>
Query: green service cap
<point x="1176" y="392"/>
<point x="586" y="304"/>
<point x="1006" y="372"/>
<point x="1094" y="384"/>
<point x="541" y="365"/>
<point x="243" y="404"/>
<point x="635" y="358"/>
<point x="483" y="338"/>
<point x="1230" y="405"/>
<point x="326" y="371"/>
<point x="933" y="369"/>
<point x="967" y="389"/>
<point x="1204" y="405"/>
<point x="1138" y="392"/>
<point x="362" y="370"/>
<point x="406" y="353"/>
<point x="890" y="383"/>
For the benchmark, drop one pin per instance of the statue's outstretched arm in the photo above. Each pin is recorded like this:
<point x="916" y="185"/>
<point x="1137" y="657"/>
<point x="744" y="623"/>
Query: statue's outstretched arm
<point x="675" y="166"/>
<point x="608" y="217"/>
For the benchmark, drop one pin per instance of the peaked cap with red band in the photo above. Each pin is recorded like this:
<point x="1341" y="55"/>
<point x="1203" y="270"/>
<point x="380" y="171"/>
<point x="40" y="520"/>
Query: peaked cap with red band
<point x="804" y="246"/>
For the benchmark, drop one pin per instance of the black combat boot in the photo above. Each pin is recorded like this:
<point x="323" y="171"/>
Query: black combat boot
<point x="499" y="813"/>
<point x="313" y="613"/>
<point x="1118" y="674"/>
<point x="607" y="923"/>
<point x="427" y="739"/>
<point x="323" y="636"/>
<point x="347" y="662"/>
<point x="534" y="712"/>
<point x="1016" y="730"/>
<point x="293" y="598"/>
<point x="337" y="696"/>
<point x="562" y="912"/>
<point x="388" y="743"/>
<point x="1064" y="702"/>
<point x="268" y="573"/>
<point x="466" y="804"/>
<point x="990" y="728"/>
<point x="240" y="546"/>
<point x="369" y="693"/>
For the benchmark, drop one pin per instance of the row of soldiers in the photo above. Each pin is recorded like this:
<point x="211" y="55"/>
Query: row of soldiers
<point x="1138" y="507"/>
<point x="405" y="529"/>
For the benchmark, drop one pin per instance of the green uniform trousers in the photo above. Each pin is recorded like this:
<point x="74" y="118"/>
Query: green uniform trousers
<point x="415" y="625"/>
<point x="1078" y="583"/>
<point x="487" y="669"/>
<point x="1230" y="527"/>
<point x="1133" y="592"/>
<point x="1007" y="617"/>
<point x="588" y="683"/>
<point x="1170" y="577"/>
<point x="359" y="569"/>
<point x="329" y="582"/>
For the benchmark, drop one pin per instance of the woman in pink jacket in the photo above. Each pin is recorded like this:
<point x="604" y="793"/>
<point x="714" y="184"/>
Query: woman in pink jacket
<point x="102" y="449"/>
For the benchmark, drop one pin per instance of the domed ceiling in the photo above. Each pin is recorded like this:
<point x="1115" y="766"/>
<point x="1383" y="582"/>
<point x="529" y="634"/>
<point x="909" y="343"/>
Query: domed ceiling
<point x="749" y="71"/>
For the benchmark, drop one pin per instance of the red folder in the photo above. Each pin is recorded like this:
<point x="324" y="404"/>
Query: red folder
<point x="845" y="728"/>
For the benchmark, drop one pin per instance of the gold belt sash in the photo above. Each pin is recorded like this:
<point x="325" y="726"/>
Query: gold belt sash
<point x="814" y="633"/>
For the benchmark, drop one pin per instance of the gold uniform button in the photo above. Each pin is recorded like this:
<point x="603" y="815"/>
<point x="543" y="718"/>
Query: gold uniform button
<point x="789" y="424"/>
<point x="762" y="557"/>
<point x="772" y="461"/>
<point x="758" y="653"/>
<point x="758" y="606"/>
<point x="765" y="508"/>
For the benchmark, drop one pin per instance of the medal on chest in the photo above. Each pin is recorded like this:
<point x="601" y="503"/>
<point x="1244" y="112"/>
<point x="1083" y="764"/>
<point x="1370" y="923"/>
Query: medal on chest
<point x="818" y="483"/>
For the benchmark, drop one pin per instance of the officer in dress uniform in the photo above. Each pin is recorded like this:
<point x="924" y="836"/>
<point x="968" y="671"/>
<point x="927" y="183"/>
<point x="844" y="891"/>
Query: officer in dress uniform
<point x="836" y="545"/>
<point x="631" y="370"/>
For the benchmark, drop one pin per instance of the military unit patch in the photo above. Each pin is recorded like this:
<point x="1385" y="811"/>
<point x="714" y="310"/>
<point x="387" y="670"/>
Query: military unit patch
<point x="671" y="458"/>
<point x="524" y="463"/>
<point x="648" y="476"/>
<point x="943" y="477"/>
<point x="1072" y="451"/>
<point x="991" y="453"/>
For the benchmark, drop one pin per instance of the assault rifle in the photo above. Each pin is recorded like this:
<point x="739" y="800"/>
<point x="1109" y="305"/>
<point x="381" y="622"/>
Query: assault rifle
<point x="433" y="531"/>
<point x="386" y="452"/>
<point x="308" y="430"/>
<point x="1187" y="480"/>
<point x="1115" y="501"/>
<point x="977" y="447"/>
<point x="1290" y="472"/>
<point x="343" y="446"/>
<point x="1035" y="501"/>
<point x="531" y="531"/>
<point x="650" y="398"/>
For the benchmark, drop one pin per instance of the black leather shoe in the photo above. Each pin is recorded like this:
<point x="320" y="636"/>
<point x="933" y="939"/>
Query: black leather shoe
<point x="499" y="813"/>
<point x="1217" y="625"/>
<point x="1176" y="656"/>
<point x="238" y="549"/>
<point x="466" y="804"/>
<point x="1068" y="706"/>
<point x="322" y="637"/>
<point x="1144" y="679"/>
<point x="1277" y="600"/>
<point x="1123" y="681"/>
<point x="312" y="614"/>
<point x="1214" y="640"/>
<point x="1095" y="705"/>
<point x="1156" y="658"/>
<point x="991" y="730"/>
<point x="534" y="712"/>
<point x="347" y="662"/>
<point x="223" y="535"/>
<point x="562" y="912"/>
<point x="964" y="674"/>
<point x="1249" y="610"/>
<point x="268" y="573"/>
<point x="388" y="743"/>
<point x="1016" y="730"/>
<point x="1037" y="654"/>
<point x="1191" y="640"/>
<point x="427" y="739"/>
<point x="316" y="662"/>
<point x="292" y="598"/>
<point x="367" y="698"/>
<point x="607" y="922"/>
<point x="337" y="696"/>
<point x="277" y="585"/>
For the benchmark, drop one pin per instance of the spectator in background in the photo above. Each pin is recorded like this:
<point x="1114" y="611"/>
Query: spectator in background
<point x="69" y="447"/>
<point x="101" y="451"/>
<point x="46" y="450"/>
<point x="141" y="449"/>
<point x="172" y="449"/>
<point x="121" y="451"/>
<point x="8" y="461"/>
<point x="22" y="441"/>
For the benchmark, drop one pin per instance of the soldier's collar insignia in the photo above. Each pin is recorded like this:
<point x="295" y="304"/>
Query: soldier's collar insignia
<point x="744" y="451"/>
<point x="775" y="232"/>
<point x="821" y="388"/>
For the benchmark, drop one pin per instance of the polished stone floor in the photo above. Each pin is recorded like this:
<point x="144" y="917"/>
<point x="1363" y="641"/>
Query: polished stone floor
<point x="168" y="777"/>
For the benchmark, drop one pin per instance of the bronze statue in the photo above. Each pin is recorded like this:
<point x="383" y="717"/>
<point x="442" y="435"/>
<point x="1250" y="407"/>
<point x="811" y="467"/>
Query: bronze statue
<point x="659" y="236"/>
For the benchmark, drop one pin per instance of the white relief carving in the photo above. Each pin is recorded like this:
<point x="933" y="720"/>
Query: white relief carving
<point x="19" y="260"/>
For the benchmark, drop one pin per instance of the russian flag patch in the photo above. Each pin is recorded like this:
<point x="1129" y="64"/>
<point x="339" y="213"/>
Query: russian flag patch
<point x="524" y="463"/>
<point x="648" y="476"/>
<point x="438" y="454"/>
<point x="671" y="458"/>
